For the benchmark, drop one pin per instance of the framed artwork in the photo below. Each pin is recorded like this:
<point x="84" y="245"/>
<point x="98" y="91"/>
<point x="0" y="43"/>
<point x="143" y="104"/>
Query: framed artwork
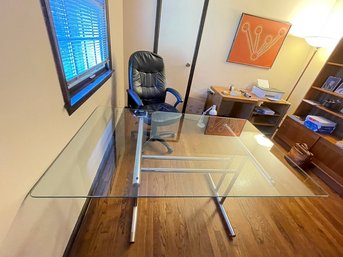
<point x="331" y="83"/>
<point x="258" y="41"/>
<point x="339" y="90"/>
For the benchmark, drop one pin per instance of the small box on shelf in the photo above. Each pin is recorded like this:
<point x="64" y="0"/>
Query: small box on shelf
<point x="319" y="124"/>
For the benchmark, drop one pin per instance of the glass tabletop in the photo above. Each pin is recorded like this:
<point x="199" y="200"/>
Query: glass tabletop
<point x="181" y="155"/>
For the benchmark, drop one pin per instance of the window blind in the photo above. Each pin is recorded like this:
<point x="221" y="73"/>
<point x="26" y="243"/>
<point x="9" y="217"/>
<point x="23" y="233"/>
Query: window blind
<point x="81" y="34"/>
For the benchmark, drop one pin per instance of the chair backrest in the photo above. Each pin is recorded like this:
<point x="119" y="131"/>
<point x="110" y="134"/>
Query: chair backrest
<point x="146" y="77"/>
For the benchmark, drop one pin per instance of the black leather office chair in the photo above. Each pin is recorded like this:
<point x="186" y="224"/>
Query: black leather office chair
<point x="147" y="91"/>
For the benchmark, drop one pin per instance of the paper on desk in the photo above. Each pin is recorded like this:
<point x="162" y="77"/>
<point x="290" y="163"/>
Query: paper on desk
<point x="263" y="83"/>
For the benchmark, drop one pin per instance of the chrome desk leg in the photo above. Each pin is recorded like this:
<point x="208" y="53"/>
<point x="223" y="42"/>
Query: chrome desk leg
<point x="225" y="217"/>
<point x="136" y="178"/>
<point x="134" y="221"/>
<point x="221" y="207"/>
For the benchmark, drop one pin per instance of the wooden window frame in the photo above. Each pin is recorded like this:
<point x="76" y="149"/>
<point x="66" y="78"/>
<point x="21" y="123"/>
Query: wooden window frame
<point x="100" y="77"/>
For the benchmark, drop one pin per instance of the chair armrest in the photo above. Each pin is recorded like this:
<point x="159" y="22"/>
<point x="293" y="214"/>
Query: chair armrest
<point x="176" y="94"/>
<point x="132" y="95"/>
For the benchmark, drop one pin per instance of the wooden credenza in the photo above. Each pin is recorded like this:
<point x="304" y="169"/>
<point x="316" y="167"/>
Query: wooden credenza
<point x="328" y="157"/>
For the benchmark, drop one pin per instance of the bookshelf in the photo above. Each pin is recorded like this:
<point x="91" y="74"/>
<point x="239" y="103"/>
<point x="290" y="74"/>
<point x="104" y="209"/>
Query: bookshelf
<point x="328" y="157"/>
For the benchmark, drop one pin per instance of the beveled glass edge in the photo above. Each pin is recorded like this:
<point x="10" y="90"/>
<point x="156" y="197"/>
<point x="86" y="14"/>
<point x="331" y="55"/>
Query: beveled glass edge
<point x="176" y="196"/>
<point x="62" y="150"/>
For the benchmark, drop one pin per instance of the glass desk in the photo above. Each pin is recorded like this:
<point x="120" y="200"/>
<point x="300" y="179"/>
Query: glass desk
<point x="119" y="153"/>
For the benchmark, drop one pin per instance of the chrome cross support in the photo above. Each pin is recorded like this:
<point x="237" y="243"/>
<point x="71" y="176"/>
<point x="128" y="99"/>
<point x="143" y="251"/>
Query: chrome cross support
<point x="220" y="200"/>
<point x="220" y="206"/>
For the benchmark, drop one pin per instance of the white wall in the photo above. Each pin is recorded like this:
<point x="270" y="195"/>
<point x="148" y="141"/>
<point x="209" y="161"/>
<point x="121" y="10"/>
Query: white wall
<point x="42" y="227"/>
<point x="34" y="125"/>
<point x="330" y="28"/>
<point x="116" y="18"/>
<point x="307" y="16"/>
<point x="139" y="28"/>
<point x="219" y="31"/>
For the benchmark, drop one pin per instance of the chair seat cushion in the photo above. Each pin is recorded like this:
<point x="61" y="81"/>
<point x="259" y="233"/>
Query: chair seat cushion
<point x="157" y="113"/>
<point x="161" y="107"/>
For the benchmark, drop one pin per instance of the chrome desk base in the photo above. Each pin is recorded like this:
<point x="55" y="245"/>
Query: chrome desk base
<point x="220" y="202"/>
<point x="137" y="172"/>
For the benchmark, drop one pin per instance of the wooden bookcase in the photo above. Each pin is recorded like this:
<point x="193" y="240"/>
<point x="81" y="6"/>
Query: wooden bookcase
<point x="328" y="157"/>
<point x="243" y="107"/>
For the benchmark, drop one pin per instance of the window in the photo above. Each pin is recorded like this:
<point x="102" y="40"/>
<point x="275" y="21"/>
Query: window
<point x="79" y="37"/>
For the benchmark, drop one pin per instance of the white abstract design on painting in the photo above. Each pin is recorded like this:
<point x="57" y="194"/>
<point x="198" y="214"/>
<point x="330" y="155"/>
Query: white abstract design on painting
<point x="256" y="49"/>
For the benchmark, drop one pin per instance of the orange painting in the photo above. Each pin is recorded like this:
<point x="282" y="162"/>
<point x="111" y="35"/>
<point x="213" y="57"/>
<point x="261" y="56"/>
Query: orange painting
<point x="258" y="41"/>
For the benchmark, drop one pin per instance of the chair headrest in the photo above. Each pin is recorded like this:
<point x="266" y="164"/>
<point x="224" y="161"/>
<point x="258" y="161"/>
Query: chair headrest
<point x="146" y="61"/>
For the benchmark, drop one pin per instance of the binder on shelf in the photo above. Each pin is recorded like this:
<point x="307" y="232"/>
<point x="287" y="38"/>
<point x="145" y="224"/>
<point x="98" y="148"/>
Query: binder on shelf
<point x="264" y="110"/>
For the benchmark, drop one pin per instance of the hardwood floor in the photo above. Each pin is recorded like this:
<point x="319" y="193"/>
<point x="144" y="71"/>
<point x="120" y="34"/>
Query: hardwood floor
<point x="192" y="227"/>
<point x="306" y="227"/>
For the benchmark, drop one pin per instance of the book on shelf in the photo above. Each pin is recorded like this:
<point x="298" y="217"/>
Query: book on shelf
<point x="311" y="102"/>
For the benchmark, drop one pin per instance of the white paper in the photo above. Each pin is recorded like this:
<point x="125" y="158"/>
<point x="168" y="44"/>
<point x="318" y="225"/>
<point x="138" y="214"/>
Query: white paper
<point x="263" y="83"/>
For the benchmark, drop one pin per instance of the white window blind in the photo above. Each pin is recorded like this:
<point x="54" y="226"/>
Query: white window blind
<point x="81" y="33"/>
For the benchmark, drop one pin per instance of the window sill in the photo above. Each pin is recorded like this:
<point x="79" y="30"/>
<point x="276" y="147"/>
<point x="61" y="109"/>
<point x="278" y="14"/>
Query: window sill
<point x="85" y="93"/>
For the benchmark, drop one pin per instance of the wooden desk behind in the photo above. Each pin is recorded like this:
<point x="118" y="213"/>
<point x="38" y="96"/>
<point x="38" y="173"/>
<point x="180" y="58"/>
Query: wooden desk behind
<point x="243" y="107"/>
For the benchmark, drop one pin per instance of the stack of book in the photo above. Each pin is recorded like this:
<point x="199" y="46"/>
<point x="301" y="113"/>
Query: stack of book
<point x="264" y="110"/>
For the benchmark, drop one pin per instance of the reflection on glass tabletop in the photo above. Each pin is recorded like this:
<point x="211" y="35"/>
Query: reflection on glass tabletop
<point x="208" y="156"/>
